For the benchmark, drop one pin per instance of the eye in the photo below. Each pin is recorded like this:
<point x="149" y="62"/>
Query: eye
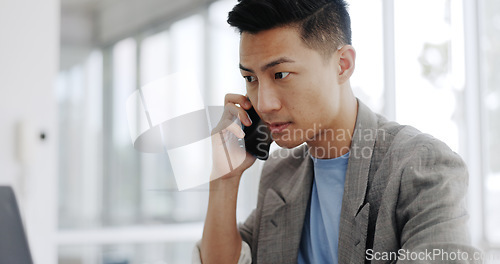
<point x="281" y="75"/>
<point x="250" y="78"/>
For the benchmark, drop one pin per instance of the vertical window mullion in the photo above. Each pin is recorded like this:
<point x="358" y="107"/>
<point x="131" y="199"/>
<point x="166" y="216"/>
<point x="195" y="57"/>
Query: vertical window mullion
<point x="474" y="116"/>
<point x="108" y="132"/>
<point x="389" y="60"/>
<point x="138" y="80"/>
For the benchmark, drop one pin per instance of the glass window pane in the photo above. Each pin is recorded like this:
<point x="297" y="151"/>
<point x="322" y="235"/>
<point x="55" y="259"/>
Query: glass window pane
<point x="187" y="42"/>
<point x="225" y="76"/>
<point x="122" y="186"/>
<point x="367" y="81"/>
<point x="156" y="175"/>
<point x="425" y="95"/>
<point x="80" y="148"/>
<point x="187" y="55"/>
<point x="160" y="200"/>
<point x="490" y="80"/>
<point x="154" y="61"/>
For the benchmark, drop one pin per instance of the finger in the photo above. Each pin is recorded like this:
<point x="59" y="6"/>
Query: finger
<point x="232" y="112"/>
<point x="236" y="130"/>
<point x="238" y="99"/>
<point x="236" y="111"/>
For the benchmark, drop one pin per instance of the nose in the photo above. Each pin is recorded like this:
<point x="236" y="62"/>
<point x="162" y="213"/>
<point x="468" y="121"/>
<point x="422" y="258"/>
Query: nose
<point x="268" y="99"/>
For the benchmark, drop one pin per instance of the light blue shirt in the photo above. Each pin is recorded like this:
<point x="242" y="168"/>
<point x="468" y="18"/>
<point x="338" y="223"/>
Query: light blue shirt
<point x="320" y="234"/>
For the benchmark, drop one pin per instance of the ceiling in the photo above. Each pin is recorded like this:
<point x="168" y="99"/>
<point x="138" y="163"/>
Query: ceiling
<point x="87" y="24"/>
<point x="85" y="4"/>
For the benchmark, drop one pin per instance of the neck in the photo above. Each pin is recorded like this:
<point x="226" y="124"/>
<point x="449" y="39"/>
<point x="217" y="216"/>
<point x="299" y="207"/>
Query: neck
<point x="335" y="140"/>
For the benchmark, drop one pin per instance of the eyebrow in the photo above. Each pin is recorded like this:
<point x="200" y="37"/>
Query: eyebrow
<point x="269" y="65"/>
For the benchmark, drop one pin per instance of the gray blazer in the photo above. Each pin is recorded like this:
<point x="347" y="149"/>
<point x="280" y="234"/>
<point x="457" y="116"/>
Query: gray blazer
<point x="404" y="193"/>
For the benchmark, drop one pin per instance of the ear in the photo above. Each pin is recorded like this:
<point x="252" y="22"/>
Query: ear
<point x="347" y="58"/>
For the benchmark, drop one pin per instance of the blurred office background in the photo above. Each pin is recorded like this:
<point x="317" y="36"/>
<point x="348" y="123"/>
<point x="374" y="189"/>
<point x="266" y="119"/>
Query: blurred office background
<point x="68" y="66"/>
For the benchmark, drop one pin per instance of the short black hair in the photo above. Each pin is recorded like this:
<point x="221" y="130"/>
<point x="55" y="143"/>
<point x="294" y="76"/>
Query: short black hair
<point x="324" y="25"/>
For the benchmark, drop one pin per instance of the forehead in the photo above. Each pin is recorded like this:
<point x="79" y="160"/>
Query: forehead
<point x="276" y="42"/>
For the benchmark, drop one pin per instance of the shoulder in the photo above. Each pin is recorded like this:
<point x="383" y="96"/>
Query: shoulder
<point x="413" y="158"/>
<point x="404" y="142"/>
<point x="412" y="145"/>
<point x="416" y="172"/>
<point x="421" y="161"/>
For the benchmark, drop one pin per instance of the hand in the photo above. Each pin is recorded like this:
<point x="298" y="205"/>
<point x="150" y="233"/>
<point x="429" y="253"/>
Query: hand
<point x="228" y="158"/>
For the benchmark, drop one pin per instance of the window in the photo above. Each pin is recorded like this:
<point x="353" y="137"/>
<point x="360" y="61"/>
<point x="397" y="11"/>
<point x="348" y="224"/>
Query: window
<point x="426" y="96"/>
<point x="118" y="205"/>
<point x="80" y="146"/>
<point x="489" y="36"/>
<point x="368" y="39"/>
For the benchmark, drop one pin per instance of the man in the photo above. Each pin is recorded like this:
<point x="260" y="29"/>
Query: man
<point x="361" y="188"/>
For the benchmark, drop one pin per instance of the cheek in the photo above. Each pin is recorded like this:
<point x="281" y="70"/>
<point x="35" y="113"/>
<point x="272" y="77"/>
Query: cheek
<point x="309" y="111"/>
<point x="252" y="96"/>
<point x="317" y="109"/>
<point x="310" y="98"/>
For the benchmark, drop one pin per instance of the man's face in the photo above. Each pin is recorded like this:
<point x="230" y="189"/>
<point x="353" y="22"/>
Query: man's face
<point x="293" y="88"/>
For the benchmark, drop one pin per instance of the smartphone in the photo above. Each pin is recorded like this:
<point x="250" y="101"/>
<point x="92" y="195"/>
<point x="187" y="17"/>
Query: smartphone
<point x="257" y="136"/>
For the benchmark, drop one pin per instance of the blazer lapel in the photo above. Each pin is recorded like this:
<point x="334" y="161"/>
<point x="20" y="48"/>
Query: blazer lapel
<point x="283" y="213"/>
<point x="354" y="215"/>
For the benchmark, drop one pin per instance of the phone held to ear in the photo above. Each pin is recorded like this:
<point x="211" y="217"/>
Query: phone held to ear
<point x="257" y="136"/>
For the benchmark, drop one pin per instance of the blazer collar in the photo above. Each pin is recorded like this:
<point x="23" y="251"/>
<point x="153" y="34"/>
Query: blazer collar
<point x="361" y="151"/>
<point x="284" y="210"/>
<point x="301" y="170"/>
<point x="354" y="215"/>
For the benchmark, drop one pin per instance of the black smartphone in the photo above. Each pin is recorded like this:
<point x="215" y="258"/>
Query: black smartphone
<point x="257" y="136"/>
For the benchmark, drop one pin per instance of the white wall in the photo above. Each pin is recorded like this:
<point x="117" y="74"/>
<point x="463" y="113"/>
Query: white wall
<point x="29" y="48"/>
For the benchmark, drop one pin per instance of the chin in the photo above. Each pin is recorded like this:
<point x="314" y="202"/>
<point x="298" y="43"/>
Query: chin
<point x="287" y="143"/>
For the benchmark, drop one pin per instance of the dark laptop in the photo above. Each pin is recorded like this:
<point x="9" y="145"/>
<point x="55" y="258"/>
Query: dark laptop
<point x="14" y="247"/>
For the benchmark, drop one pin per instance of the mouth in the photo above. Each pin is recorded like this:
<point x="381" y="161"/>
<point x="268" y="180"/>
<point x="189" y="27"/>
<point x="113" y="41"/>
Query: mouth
<point x="278" y="127"/>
